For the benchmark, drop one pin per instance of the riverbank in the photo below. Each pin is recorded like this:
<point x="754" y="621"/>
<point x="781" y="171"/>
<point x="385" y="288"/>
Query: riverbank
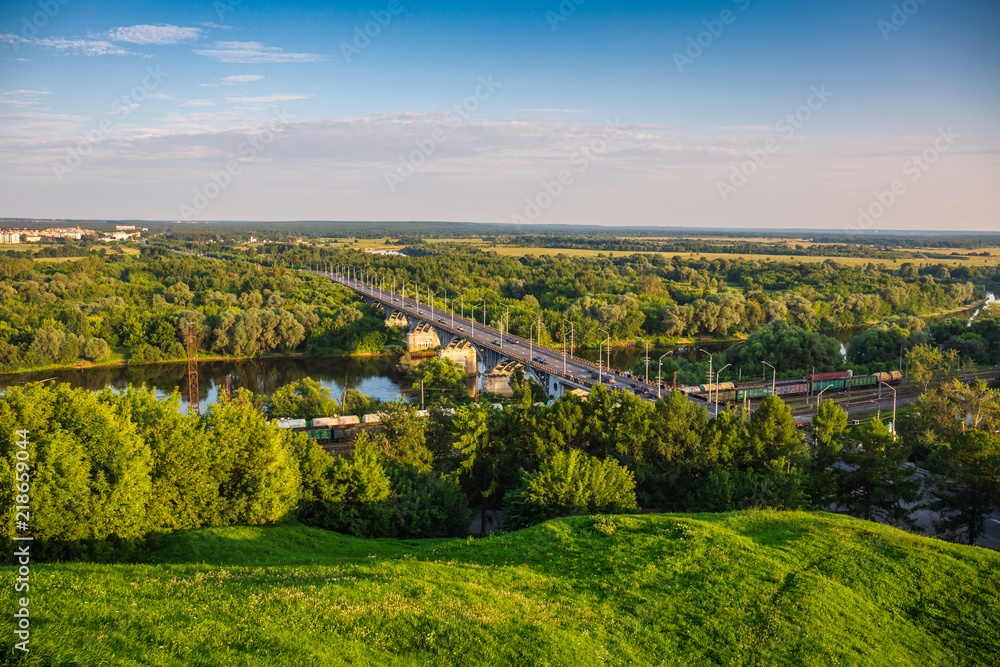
<point x="119" y="361"/>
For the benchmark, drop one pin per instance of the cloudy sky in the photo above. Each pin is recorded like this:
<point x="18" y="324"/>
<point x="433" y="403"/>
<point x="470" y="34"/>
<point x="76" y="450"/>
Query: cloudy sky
<point x="854" y="115"/>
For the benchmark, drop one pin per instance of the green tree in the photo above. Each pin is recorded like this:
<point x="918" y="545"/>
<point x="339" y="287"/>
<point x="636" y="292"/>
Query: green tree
<point x="966" y="486"/>
<point x="402" y="439"/>
<point x="302" y="399"/>
<point x="354" y="497"/>
<point x="827" y="430"/>
<point x="97" y="350"/>
<point x="254" y="467"/>
<point x="877" y="486"/>
<point x="571" y="483"/>
<point x="771" y="435"/>
<point x="89" y="469"/>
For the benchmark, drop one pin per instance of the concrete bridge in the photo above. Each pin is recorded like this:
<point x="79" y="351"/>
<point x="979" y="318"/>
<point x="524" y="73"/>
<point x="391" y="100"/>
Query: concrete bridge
<point x="467" y="342"/>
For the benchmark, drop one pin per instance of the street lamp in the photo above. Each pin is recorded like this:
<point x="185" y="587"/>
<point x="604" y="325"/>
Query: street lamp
<point x="452" y="310"/>
<point x="600" y="374"/>
<point x="647" y="356"/>
<point x="710" y="359"/>
<point x="893" y="406"/>
<point x="774" y="374"/>
<point x="659" y="377"/>
<point x="572" y="331"/>
<point x="717" y="374"/>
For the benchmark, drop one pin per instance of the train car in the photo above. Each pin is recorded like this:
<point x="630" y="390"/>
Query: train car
<point x="371" y="419"/>
<point x="348" y="420"/>
<point x="862" y="381"/>
<point x="722" y="386"/>
<point x="820" y="385"/>
<point x="292" y="423"/>
<point x="744" y="392"/>
<point x="320" y="434"/>
<point x="324" y="421"/>
<point x="888" y="377"/>
<point x="835" y="375"/>
<point x="799" y="386"/>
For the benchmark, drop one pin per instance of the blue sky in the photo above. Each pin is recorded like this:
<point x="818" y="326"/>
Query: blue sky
<point x="592" y="113"/>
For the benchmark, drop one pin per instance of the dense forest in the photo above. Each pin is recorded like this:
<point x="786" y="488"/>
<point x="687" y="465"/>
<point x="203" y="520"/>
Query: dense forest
<point x="139" y="306"/>
<point x="109" y="305"/>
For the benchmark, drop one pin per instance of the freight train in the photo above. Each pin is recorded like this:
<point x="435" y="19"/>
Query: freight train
<point x="810" y="384"/>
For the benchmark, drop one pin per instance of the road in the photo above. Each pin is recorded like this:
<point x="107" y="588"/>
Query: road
<point x="526" y="351"/>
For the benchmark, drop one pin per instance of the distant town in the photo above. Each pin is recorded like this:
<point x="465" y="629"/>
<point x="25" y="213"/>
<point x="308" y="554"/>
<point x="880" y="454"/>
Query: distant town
<point x="28" y="235"/>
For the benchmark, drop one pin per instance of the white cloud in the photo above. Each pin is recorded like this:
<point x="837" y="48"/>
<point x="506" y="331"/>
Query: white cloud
<point x="198" y="103"/>
<point x="265" y="99"/>
<point x="255" y="53"/>
<point x="158" y="96"/>
<point x="153" y="34"/>
<point x="87" y="47"/>
<point x="240" y="78"/>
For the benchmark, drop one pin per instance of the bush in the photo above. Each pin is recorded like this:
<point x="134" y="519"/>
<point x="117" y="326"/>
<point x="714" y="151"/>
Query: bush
<point x="427" y="505"/>
<point x="570" y="484"/>
<point x="354" y="497"/>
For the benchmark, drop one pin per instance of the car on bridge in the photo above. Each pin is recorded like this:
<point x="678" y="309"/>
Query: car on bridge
<point x="495" y="342"/>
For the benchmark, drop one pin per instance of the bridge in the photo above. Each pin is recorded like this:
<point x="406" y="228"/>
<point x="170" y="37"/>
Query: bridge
<point x="504" y="353"/>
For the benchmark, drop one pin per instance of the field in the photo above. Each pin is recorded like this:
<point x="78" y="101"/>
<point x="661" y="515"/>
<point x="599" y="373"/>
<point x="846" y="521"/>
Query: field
<point x="518" y="251"/>
<point x="750" y="588"/>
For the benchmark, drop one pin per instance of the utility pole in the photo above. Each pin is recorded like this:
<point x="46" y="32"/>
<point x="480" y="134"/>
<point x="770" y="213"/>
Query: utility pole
<point x="659" y="376"/>
<point x="192" y="355"/>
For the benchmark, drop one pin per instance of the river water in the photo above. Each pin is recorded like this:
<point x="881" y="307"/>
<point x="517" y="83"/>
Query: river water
<point x="376" y="377"/>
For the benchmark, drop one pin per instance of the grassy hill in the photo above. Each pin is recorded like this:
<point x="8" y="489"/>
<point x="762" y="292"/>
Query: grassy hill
<point x="750" y="588"/>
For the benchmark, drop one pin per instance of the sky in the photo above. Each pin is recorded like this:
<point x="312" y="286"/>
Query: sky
<point x="860" y="115"/>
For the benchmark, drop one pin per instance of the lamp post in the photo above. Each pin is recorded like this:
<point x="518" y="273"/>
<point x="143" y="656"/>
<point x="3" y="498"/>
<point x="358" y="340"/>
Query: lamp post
<point x="647" y="356"/>
<point x="774" y="374"/>
<point x="446" y="305"/>
<point x="659" y="377"/>
<point x="600" y="374"/>
<point x="710" y="359"/>
<point x="893" y="406"/>
<point x="717" y="375"/>
<point x="572" y="331"/>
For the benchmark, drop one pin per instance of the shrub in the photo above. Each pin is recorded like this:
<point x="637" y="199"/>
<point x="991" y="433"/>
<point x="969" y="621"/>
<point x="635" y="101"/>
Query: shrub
<point x="570" y="484"/>
<point x="427" y="505"/>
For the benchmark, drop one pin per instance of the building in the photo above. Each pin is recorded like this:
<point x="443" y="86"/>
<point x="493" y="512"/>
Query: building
<point x="124" y="228"/>
<point x="10" y="237"/>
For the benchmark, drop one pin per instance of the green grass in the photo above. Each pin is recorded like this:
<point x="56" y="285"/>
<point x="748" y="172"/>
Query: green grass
<point x="750" y="588"/>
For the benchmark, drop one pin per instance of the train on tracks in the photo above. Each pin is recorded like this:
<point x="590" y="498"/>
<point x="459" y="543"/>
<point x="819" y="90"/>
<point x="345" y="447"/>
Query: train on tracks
<point x="813" y="384"/>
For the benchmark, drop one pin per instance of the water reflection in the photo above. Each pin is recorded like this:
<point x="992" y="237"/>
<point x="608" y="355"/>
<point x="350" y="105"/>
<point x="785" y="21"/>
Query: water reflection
<point x="375" y="377"/>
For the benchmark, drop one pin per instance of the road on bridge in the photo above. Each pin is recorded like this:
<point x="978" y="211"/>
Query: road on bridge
<point x="538" y="357"/>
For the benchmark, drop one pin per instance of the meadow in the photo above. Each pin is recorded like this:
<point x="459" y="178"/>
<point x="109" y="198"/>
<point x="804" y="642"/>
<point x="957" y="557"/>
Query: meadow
<point x="747" y="588"/>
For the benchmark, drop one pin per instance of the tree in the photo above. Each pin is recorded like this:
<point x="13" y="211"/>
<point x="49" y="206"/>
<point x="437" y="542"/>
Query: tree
<point x="877" y="486"/>
<point x="97" y="350"/>
<point x="771" y="435"/>
<point x="571" y="483"/>
<point x="89" y="469"/>
<point x="828" y="427"/>
<point x="252" y="461"/>
<point x="966" y="486"/>
<point x="302" y="399"/>
<point x="785" y="346"/>
<point x="182" y="486"/>
<point x="354" y="497"/>
<point x="929" y="367"/>
<point x="426" y="505"/>
<point x="402" y="439"/>
<point x="488" y="468"/>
